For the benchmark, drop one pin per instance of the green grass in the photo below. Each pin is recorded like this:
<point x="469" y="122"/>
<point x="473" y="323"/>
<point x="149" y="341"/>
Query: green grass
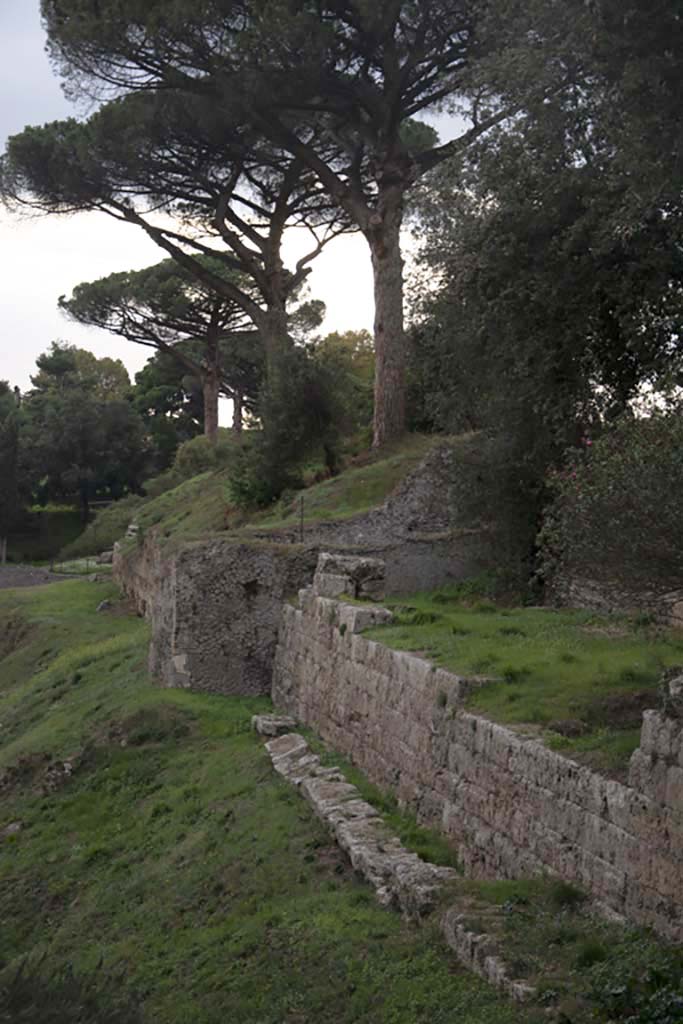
<point x="81" y="567"/>
<point x="176" y="856"/>
<point x="175" y="873"/>
<point x="108" y="526"/>
<point x="579" y="679"/>
<point x="357" y="489"/>
<point x="201" y="507"/>
<point x="584" y="968"/>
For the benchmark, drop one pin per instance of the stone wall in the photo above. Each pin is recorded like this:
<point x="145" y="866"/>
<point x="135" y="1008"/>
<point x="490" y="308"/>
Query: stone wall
<point x="573" y="591"/>
<point x="214" y="609"/>
<point x="215" y="605"/>
<point x="513" y="807"/>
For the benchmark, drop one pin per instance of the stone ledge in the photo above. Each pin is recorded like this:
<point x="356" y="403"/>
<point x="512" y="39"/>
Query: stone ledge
<point x="400" y="878"/>
<point x="272" y="725"/>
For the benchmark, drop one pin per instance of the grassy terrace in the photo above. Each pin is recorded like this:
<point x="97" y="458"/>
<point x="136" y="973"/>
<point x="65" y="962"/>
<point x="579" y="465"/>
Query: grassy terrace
<point x="578" y="680"/>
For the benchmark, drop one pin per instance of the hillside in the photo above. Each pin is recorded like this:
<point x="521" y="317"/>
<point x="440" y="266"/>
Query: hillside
<point x="145" y="829"/>
<point x="154" y="868"/>
<point x="201" y="507"/>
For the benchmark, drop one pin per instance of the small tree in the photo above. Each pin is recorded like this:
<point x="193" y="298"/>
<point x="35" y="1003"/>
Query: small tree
<point x="76" y="440"/>
<point x="171" y="405"/>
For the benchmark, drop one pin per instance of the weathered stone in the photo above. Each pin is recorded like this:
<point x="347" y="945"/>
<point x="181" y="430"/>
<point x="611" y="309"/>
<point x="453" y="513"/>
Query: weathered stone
<point x="272" y="725"/>
<point x="214" y="608"/>
<point x="512" y="806"/>
<point x="479" y="952"/>
<point x="671" y="691"/>
<point x="58" y="774"/>
<point x="327" y="584"/>
<point x="104" y="606"/>
<point x="399" y="878"/>
<point x="216" y="604"/>
<point x="105" y="558"/>
<point x="13" y="829"/>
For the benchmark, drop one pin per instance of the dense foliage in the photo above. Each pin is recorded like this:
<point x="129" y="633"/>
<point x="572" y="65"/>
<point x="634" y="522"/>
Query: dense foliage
<point x="616" y="508"/>
<point x="79" y="433"/>
<point x="166" y="308"/>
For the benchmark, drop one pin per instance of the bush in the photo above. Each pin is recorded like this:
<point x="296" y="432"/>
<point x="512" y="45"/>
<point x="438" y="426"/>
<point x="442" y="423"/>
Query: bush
<point x="199" y="455"/>
<point x="615" y="514"/>
<point x="301" y="414"/>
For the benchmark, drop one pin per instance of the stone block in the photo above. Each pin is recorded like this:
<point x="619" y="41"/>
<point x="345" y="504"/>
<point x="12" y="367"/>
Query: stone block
<point x="273" y="725"/>
<point x="326" y="584"/>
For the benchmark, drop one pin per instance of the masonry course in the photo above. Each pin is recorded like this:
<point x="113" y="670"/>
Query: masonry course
<point x="512" y="807"/>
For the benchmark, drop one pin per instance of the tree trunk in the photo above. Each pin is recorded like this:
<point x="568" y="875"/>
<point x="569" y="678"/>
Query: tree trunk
<point x="237" y="413"/>
<point x="390" y="343"/>
<point x="3" y="550"/>
<point x="276" y="344"/>
<point x="210" y="388"/>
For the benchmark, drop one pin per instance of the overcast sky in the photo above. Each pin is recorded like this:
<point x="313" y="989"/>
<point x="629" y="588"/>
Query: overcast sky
<point x="44" y="258"/>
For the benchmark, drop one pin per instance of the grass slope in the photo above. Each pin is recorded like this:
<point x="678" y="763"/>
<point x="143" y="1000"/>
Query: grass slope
<point x="175" y="855"/>
<point x="201" y="506"/>
<point x="579" y="679"/>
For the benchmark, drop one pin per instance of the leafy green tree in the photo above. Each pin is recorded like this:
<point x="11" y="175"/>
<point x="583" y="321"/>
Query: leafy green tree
<point x="364" y="72"/>
<point x="65" y="366"/>
<point x="170" y="403"/>
<point x="176" y="152"/>
<point x="166" y="308"/>
<point x="75" y="439"/>
<point x="348" y="359"/>
<point x="557" y="248"/>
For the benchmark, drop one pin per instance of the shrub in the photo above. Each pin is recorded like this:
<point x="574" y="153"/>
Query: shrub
<point x="301" y="414"/>
<point x="199" y="455"/>
<point x="615" y="514"/>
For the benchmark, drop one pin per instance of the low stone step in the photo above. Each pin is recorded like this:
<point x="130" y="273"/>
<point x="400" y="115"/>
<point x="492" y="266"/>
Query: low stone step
<point x="400" y="878"/>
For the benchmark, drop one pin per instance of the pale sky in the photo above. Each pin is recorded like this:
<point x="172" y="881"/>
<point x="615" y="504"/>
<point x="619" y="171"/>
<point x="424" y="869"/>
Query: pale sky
<point x="43" y="258"/>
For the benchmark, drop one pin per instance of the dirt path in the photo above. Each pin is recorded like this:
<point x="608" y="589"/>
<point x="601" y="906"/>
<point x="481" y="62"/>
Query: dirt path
<point x="26" y="576"/>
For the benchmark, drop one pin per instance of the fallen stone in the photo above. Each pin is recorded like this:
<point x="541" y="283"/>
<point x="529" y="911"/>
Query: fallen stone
<point x="58" y="774"/>
<point x="478" y="951"/>
<point x="104" y="606"/>
<point x="12" y="829"/>
<point x="349" y="574"/>
<point x="105" y="558"/>
<point x="272" y="725"/>
<point x="400" y="878"/>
